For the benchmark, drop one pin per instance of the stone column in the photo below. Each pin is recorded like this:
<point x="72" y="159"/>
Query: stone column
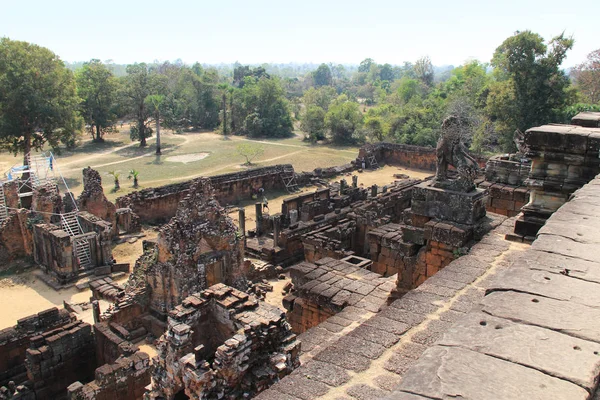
<point x="354" y="181"/>
<point x="258" y="208"/>
<point x="96" y="311"/>
<point x="374" y="191"/>
<point x="276" y="230"/>
<point x="342" y="186"/>
<point x="242" y="218"/>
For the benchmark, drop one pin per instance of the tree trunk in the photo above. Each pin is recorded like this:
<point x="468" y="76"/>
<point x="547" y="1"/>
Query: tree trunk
<point x="231" y="114"/>
<point x="157" y="135"/>
<point x="98" y="134"/>
<point x="26" y="147"/>
<point x="142" y="126"/>
<point x="224" y="115"/>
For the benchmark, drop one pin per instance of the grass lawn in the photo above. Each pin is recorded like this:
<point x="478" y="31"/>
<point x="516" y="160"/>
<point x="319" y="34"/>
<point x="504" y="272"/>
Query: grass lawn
<point x="181" y="158"/>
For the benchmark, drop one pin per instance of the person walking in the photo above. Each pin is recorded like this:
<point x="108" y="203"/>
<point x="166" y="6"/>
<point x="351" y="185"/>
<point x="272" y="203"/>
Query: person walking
<point x="265" y="203"/>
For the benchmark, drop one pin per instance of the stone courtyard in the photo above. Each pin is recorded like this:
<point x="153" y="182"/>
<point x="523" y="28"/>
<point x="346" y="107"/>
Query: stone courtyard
<point x="477" y="281"/>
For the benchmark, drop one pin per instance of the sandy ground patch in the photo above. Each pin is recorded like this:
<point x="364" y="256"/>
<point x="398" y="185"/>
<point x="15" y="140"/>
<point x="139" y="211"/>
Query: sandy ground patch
<point x="275" y="298"/>
<point x="26" y="294"/>
<point x="385" y="175"/>
<point x="187" y="158"/>
<point x="131" y="249"/>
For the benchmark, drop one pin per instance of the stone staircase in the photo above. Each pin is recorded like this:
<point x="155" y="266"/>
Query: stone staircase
<point x="3" y="209"/>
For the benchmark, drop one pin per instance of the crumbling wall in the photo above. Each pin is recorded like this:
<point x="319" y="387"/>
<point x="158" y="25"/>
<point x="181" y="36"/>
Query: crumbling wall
<point x="199" y="247"/>
<point x="15" y="237"/>
<point x="53" y="251"/>
<point x="109" y="344"/>
<point x="125" y="379"/>
<point x="102" y="242"/>
<point x="505" y="181"/>
<point x="159" y="205"/>
<point x="406" y="155"/>
<point x="11" y="194"/>
<point x="505" y="199"/>
<point x="330" y="241"/>
<point x="14" y="341"/>
<point x="60" y="357"/>
<point x="47" y="202"/>
<point x="249" y="347"/>
<point x="93" y="200"/>
<point x="564" y="158"/>
<point x="400" y="154"/>
<point x="368" y="208"/>
<point x="128" y="221"/>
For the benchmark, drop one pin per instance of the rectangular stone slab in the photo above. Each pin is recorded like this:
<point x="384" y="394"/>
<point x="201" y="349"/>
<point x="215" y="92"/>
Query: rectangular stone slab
<point x="557" y="263"/>
<point x="448" y="205"/>
<point x="521" y="279"/>
<point x="567" y="247"/>
<point x="563" y="316"/>
<point x="455" y="373"/>
<point x="551" y="352"/>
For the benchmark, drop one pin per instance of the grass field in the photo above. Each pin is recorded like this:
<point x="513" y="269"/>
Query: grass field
<point x="118" y="153"/>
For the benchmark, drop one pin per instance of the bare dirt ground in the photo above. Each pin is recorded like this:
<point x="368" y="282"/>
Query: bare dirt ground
<point x="25" y="294"/>
<point x="275" y="298"/>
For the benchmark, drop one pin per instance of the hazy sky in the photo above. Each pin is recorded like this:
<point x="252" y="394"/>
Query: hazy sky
<point x="255" y="31"/>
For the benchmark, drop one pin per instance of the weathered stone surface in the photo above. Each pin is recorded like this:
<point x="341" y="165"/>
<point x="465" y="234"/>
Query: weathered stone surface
<point x="556" y="286"/>
<point x="448" y="372"/>
<point x="550" y="352"/>
<point x="571" y="318"/>
<point x="463" y="208"/>
<point x="365" y="392"/>
<point x="324" y="372"/>
<point x="560" y="264"/>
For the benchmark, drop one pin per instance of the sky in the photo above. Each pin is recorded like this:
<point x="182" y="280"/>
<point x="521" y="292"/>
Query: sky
<point x="257" y="31"/>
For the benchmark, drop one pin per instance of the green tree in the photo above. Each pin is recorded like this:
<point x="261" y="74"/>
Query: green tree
<point x="155" y="102"/>
<point x="374" y="128"/>
<point x="115" y="175"/>
<point x="386" y="73"/>
<point x="322" y="76"/>
<point x="97" y="88"/>
<point x="38" y="99"/>
<point x="262" y="108"/>
<point x="530" y="87"/>
<point x="250" y="151"/>
<point x="365" y="65"/>
<point x="320" y="97"/>
<point x="133" y="174"/>
<point x="138" y="86"/>
<point x="343" y="119"/>
<point x="313" y="123"/>
<point x="587" y="77"/>
<point x="424" y="70"/>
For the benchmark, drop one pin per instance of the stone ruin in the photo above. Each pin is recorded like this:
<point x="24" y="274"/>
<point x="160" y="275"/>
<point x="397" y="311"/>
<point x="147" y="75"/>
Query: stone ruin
<point x="68" y="239"/>
<point x="223" y="343"/>
<point x="198" y="248"/>
<point x="366" y="265"/>
<point x="93" y="200"/>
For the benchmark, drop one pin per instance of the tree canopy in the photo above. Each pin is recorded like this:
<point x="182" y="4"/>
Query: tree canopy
<point x="97" y="88"/>
<point x="38" y="99"/>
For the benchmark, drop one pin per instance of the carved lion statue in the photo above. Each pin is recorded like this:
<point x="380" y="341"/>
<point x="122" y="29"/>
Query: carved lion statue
<point x="451" y="151"/>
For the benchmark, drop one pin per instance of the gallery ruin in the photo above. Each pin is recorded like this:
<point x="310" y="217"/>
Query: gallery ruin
<point x="381" y="278"/>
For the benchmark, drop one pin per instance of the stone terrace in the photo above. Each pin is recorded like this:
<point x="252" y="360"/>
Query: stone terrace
<point x="363" y="353"/>
<point x="536" y="333"/>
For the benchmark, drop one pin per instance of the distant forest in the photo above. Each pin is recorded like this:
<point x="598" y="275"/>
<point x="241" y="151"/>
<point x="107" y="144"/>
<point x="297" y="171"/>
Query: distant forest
<point x="522" y="86"/>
